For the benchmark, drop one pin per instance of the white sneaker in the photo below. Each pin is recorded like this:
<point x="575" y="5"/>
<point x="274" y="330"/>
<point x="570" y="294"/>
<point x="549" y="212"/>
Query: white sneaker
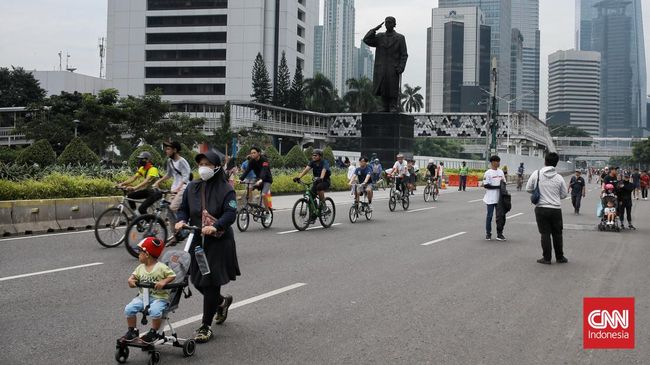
<point x="610" y="223"/>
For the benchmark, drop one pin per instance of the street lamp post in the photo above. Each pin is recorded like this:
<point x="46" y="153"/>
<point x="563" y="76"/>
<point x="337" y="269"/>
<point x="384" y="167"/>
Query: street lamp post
<point x="510" y="101"/>
<point x="280" y="145"/>
<point x="76" y="125"/>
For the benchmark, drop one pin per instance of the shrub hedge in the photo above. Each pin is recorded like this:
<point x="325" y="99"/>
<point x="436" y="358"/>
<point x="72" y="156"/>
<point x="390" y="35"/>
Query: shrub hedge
<point x="40" y="152"/>
<point x="157" y="158"/>
<point x="77" y="153"/>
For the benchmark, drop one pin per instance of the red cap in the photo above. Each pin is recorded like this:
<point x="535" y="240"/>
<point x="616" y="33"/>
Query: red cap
<point x="152" y="245"/>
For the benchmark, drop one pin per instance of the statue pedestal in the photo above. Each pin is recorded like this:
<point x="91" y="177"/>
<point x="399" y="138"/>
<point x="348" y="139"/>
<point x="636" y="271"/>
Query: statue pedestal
<point x="386" y="135"/>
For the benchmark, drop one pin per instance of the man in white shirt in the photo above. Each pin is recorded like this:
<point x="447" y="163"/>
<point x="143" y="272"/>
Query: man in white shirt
<point x="400" y="172"/>
<point x="492" y="183"/>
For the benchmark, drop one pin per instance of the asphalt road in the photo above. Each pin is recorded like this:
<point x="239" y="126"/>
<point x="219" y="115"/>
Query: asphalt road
<point x="361" y="293"/>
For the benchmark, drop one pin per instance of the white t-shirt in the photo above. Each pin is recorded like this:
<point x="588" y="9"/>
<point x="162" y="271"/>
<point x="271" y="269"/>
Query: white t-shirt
<point x="351" y="170"/>
<point x="402" y="169"/>
<point x="493" y="178"/>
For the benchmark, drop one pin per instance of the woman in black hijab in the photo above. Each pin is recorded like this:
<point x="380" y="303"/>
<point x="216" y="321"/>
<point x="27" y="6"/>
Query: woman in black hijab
<point x="210" y="203"/>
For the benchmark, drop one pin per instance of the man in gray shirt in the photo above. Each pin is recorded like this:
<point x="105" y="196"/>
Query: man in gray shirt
<point x="548" y="210"/>
<point x="177" y="168"/>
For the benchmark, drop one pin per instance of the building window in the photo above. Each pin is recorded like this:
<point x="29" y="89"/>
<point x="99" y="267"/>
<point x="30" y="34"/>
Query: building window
<point x="184" y="72"/>
<point x="301" y="15"/>
<point x="300" y="63"/>
<point x="300" y="47"/>
<point x="187" y="55"/>
<point x="179" y="38"/>
<point x="187" y="21"/>
<point x="187" y="89"/>
<point x="186" y="4"/>
<point x="301" y="31"/>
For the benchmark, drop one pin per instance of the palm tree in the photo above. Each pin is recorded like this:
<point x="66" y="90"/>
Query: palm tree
<point x="412" y="100"/>
<point x="361" y="98"/>
<point x="319" y="93"/>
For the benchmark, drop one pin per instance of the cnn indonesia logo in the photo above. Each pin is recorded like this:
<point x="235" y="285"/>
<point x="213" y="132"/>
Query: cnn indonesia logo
<point x="608" y="323"/>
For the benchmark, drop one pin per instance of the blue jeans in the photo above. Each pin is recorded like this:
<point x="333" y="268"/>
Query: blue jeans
<point x="156" y="307"/>
<point x="501" y="219"/>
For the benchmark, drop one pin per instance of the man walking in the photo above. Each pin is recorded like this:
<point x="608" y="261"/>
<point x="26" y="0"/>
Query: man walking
<point x="577" y="190"/>
<point x="492" y="183"/>
<point x="548" y="210"/>
<point x="625" y="190"/>
<point x="636" y="181"/>
<point x="463" y="177"/>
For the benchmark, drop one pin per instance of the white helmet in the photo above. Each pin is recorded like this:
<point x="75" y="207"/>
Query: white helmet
<point x="430" y="160"/>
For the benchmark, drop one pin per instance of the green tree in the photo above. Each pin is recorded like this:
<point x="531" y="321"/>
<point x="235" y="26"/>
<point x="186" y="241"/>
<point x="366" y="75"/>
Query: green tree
<point x="412" y="100"/>
<point x="144" y="118"/>
<point x="296" y="94"/>
<point x="361" y="97"/>
<point x="295" y="159"/>
<point x="77" y="153"/>
<point x="254" y="136"/>
<point x="281" y="95"/>
<point x="19" y="88"/>
<point x="186" y="129"/>
<point x="274" y="157"/>
<point x="437" y="147"/>
<point x="641" y="152"/>
<point x="567" y="131"/>
<point x="243" y="152"/>
<point x="319" y="93"/>
<point x="261" y="82"/>
<point x="40" y="152"/>
<point x="308" y="151"/>
<point x="100" y="119"/>
<point x="155" y="156"/>
<point x="328" y="155"/>
<point x="223" y="135"/>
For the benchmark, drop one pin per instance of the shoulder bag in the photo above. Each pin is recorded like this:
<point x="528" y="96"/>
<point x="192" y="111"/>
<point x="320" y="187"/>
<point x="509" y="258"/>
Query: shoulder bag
<point x="534" y="198"/>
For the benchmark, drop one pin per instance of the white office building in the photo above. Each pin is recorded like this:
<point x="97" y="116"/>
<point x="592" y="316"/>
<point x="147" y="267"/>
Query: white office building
<point x="203" y="50"/>
<point x="338" y="43"/>
<point x="55" y="82"/>
<point x="459" y="59"/>
<point x="574" y="89"/>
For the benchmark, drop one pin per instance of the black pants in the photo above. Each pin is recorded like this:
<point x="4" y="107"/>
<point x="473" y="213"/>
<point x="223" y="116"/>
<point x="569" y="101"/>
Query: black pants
<point x="463" y="183"/>
<point x="151" y="196"/>
<point x="644" y="193"/>
<point x="211" y="300"/>
<point x="576" y="200"/>
<point x="501" y="218"/>
<point x="549" y="224"/>
<point x="625" y="206"/>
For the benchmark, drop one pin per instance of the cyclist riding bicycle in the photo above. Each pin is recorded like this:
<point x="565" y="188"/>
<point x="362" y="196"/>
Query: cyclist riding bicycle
<point x="149" y="173"/>
<point x="377" y="169"/>
<point x="178" y="169"/>
<point x="363" y="176"/>
<point x="262" y="168"/>
<point x="322" y="173"/>
<point x="432" y="169"/>
<point x="401" y="173"/>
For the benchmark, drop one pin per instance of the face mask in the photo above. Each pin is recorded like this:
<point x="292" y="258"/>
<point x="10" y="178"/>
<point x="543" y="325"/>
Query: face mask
<point x="142" y="163"/>
<point x="207" y="173"/>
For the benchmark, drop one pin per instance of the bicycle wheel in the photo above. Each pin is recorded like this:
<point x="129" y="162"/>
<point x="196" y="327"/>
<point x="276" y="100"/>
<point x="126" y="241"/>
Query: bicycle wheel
<point x="300" y="214"/>
<point x="243" y="220"/>
<point x="353" y="214"/>
<point x="434" y="193"/>
<point x="427" y="193"/>
<point x="110" y="227"/>
<point x="267" y="218"/>
<point x="392" y="203"/>
<point x="382" y="184"/>
<point x="328" y="213"/>
<point x="406" y="202"/>
<point x="147" y="225"/>
<point x="368" y="213"/>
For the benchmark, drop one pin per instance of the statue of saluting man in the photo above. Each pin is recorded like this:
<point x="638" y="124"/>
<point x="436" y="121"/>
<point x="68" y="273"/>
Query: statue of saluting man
<point x="390" y="61"/>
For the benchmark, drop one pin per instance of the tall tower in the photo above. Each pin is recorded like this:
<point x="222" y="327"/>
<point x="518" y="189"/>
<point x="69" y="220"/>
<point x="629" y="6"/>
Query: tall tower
<point x="338" y="42"/>
<point x="525" y="18"/>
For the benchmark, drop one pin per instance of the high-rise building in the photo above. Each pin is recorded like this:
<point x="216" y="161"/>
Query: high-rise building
<point x="525" y="18"/>
<point x="459" y="59"/>
<point x="338" y="42"/>
<point x="497" y="15"/>
<point x="318" y="49"/>
<point x="365" y="62"/>
<point x="516" y="69"/>
<point x="427" y="97"/>
<point x="615" y="34"/>
<point x="611" y="27"/>
<point x="203" y="50"/>
<point x="574" y="89"/>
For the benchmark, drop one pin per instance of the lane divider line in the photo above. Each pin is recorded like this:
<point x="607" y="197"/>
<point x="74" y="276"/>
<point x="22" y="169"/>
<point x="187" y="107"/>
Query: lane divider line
<point x="443" y="239"/>
<point x="475" y="200"/>
<point x="49" y="271"/>
<point x="308" y="229"/>
<point x="514" y="215"/>
<point x="420" y="210"/>
<point x="242" y="303"/>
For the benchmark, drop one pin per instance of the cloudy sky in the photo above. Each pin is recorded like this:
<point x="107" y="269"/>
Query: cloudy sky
<point x="32" y="32"/>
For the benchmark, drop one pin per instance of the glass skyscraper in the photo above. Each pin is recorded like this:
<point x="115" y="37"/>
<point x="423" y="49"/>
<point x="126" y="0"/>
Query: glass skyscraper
<point x="525" y="18"/>
<point x="615" y="29"/>
<point x="498" y="17"/>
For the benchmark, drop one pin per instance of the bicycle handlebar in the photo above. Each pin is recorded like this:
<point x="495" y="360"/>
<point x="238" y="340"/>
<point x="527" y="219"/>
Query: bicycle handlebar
<point x="168" y="286"/>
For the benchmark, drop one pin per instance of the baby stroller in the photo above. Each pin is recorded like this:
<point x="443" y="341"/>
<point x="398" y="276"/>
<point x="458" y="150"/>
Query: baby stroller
<point x="179" y="262"/>
<point x="604" y="224"/>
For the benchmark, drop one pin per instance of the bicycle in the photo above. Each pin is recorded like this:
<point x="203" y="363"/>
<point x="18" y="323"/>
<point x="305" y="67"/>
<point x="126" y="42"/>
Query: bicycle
<point x="110" y="226"/>
<point x="380" y="183"/>
<point x="257" y="211"/>
<point x="360" y="207"/>
<point x="308" y="208"/>
<point x="150" y="225"/>
<point x="396" y="195"/>
<point x="431" y="191"/>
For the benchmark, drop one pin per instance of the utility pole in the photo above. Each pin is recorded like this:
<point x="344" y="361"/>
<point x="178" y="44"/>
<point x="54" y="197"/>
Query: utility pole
<point x="494" y="111"/>
<point x="102" y="54"/>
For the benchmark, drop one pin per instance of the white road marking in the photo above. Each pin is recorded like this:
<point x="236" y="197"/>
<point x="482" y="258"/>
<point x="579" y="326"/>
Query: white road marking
<point x="514" y="215"/>
<point x="443" y="238"/>
<point x="475" y="200"/>
<point x="242" y="303"/>
<point x="48" y="235"/>
<point x="50" y="271"/>
<point x="308" y="229"/>
<point x="419" y="210"/>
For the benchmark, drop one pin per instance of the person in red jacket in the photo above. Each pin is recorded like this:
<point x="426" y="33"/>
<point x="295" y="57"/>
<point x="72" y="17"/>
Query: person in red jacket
<point x="645" y="184"/>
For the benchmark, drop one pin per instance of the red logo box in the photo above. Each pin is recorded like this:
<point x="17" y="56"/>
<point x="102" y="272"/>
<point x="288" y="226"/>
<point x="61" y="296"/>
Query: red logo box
<point x="608" y="323"/>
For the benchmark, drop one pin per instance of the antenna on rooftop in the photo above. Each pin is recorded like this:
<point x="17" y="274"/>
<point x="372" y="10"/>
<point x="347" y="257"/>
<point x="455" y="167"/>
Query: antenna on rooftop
<point x="60" y="60"/>
<point x="67" y="63"/>
<point x="102" y="54"/>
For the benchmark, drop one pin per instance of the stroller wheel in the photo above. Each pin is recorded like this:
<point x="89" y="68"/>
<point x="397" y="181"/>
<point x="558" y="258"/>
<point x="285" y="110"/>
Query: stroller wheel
<point x="121" y="354"/>
<point x="155" y="358"/>
<point x="189" y="347"/>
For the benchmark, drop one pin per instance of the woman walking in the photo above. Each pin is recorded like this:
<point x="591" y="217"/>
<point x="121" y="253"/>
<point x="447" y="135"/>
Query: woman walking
<point x="211" y="204"/>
